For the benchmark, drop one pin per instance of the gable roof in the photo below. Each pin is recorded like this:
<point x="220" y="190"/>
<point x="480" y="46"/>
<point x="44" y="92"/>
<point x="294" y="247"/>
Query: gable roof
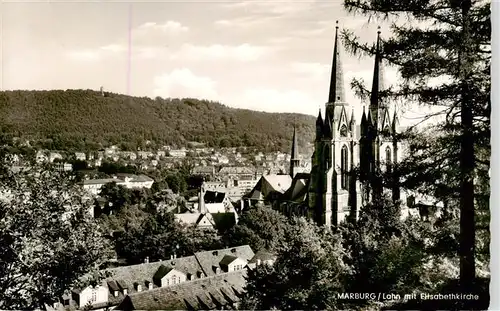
<point x="268" y="184"/>
<point x="146" y="272"/>
<point x="208" y="259"/>
<point x="201" y="294"/>
<point x="227" y="260"/>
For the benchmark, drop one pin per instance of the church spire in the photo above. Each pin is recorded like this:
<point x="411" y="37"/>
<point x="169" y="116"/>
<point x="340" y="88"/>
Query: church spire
<point x="336" y="94"/>
<point x="295" y="145"/>
<point x="378" y="81"/>
<point x="294" y="159"/>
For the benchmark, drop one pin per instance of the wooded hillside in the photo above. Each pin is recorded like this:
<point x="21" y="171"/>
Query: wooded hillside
<point x="84" y="119"/>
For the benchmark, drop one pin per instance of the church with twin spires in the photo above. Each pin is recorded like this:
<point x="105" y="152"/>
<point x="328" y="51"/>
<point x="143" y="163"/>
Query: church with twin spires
<point x="347" y="154"/>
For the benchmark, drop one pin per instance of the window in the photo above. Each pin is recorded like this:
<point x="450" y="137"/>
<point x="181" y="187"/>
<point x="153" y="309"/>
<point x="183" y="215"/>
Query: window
<point x="174" y="280"/>
<point x="343" y="131"/>
<point x="343" y="167"/>
<point x="94" y="296"/>
<point x="388" y="159"/>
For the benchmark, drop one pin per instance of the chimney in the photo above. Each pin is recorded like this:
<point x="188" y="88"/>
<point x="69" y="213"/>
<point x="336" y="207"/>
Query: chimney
<point x="215" y="253"/>
<point x="175" y="256"/>
<point x="150" y="285"/>
<point x="171" y="257"/>
<point x="233" y="250"/>
<point x="146" y="260"/>
<point x="125" y="291"/>
<point x="258" y="262"/>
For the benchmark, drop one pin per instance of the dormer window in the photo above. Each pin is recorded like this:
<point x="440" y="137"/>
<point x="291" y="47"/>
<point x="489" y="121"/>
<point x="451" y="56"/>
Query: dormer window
<point x="116" y="293"/>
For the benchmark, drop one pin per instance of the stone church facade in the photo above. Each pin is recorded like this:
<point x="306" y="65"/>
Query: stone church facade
<point x="347" y="154"/>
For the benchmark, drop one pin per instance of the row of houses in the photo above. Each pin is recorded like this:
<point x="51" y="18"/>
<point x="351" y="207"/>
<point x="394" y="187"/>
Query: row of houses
<point x="204" y="281"/>
<point x="129" y="181"/>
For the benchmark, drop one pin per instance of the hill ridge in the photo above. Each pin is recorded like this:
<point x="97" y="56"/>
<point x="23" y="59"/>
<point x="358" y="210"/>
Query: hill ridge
<point x="77" y="119"/>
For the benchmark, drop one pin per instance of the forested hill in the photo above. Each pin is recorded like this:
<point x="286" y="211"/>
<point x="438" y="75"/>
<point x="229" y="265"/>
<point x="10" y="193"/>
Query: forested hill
<point x="85" y="119"/>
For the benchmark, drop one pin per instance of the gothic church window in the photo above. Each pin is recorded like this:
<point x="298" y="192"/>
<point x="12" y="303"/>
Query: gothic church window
<point x="388" y="159"/>
<point x="343" y="131"/>
<point x="343" y="167"/>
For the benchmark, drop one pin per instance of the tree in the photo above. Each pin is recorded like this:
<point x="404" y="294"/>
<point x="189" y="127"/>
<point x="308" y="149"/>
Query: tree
<point x="117" y="195"/>
<point x="260" y="227"/>
<point x="48" y="239"/>
<point x="307" y="275"/>
<point x="449" y="40"/>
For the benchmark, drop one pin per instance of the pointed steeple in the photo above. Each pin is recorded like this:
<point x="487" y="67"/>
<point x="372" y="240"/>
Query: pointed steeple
<point x="294" y="160"/>
<point x="295" y="145"/>
<point x="378" y="81"/>
<point x="336" y="94"/>
<point x="352" y="122"/>
<point x="364" y="123"/>
<point x="319" y="126"/>
<point x="395" y="122"/>
<point x="328" y="127"/>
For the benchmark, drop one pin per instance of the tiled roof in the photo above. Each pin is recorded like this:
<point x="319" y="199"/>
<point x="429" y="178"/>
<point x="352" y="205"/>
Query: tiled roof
<point x="145" y="272"/>
<point x="236" y="170"/>
<point x="101" y="181"/>
<point x="209" y="259"/>
<point x="202" y="294"/>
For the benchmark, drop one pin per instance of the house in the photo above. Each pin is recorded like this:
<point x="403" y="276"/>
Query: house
<point x="215" y="215"/>
<point x="80" y="156"/>
<point x="177" y="153"/>
<point x="220" y="292"/>
<point x="55" y="155"/>
<point x="129" y="181"/>
<point x="41" y="156"/>
<point x="270" y="188"/>
<point x="64" y="167"/>
<point x="224" y="260"/>
<point x="96" y="296"/>
<point x="261" y="257"/>
<point x="230" y="263"/>
<point x="169" y="282"/>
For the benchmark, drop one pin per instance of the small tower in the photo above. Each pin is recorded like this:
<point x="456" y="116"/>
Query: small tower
<point x="294" y="160"/>
<point x="201" y="201"/>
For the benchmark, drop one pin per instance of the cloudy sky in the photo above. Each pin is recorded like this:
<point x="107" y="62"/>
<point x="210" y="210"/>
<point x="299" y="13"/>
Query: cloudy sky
<point x="263" y="55"/>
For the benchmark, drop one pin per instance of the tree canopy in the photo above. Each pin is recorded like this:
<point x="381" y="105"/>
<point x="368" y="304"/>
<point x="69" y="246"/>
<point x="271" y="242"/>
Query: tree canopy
<point x="79" y="120"/>
<point x="48" y="239"/>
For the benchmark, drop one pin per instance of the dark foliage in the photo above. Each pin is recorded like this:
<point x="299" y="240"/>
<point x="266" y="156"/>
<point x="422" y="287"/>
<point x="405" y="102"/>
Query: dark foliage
<point x="80" y="120"/>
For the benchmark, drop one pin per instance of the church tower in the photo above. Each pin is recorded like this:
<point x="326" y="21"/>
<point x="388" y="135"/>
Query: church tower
<point x="333" y="191"/>
<point x="379" y="147"/>
<point x="294" y="160"/>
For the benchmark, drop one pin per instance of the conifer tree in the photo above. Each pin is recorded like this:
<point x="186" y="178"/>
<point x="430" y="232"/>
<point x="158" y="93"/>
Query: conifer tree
<point x="446" y="42"/>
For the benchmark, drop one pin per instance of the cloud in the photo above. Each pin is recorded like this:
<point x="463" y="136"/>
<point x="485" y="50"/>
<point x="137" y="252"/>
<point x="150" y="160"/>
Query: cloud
<point x="243" y="52"/>
<point x="246" y="22"/>
<point x="96" y="54"/>
<point x="85" y="55"/>
<point x="184" y="83"/>
<point x="272" y="100"/>
<point x="315" y="70"/>
<point x="170" y="27"/>
<point x="190" y="52"/>
<point x="114" y="48"/>
<point x="283" y="7"/>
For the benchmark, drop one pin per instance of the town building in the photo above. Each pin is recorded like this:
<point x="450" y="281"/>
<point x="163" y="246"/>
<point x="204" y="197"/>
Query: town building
<point x="206" y="280"/>
<point x="129" y="181"/>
